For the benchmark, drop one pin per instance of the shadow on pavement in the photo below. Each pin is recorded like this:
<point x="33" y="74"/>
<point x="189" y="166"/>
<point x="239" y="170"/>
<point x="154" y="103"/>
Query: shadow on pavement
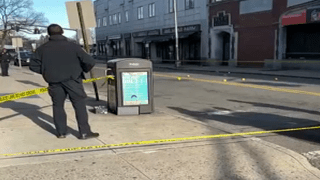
<point x="41" y="119"/>
<point x="259" y="120"/>
<point x="30" y="82"/>
<point x="258" y="104"/>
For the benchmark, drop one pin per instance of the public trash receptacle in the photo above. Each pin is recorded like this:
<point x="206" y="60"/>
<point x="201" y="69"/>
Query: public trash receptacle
<point x="131" y="91"/>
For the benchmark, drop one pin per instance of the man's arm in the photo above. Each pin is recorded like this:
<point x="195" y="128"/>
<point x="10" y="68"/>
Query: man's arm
<point x="36" y="63"/>
<point x="87" y="62"/>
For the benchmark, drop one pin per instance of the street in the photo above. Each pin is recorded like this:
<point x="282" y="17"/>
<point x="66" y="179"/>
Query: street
<point x="242" y="109"/>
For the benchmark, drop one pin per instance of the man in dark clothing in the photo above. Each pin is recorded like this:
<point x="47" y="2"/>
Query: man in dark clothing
<point x="62" y="65"/>
<point x="5" y="60"/>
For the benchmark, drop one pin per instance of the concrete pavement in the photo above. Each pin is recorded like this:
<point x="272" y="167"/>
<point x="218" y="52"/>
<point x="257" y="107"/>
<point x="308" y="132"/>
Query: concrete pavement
<point x="26" y="125"/>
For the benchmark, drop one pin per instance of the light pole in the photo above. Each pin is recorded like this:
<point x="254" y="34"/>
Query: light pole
<point x="16" y="44"/>
<point x="178" y="63"/>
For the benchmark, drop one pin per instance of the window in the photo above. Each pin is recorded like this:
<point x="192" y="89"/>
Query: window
<point x="152" y="10"/>
<point x="110" y="20"/>
<point x="171" y="6"/>
<point x="140" y="12"/>
<point x="119" y="18"/>
<point x="104" y="21"/>
<point x="127" y="16"/>
<point x="189" y="4"/>
<point x="115" y="19"/>
<point x="99" y="22"/>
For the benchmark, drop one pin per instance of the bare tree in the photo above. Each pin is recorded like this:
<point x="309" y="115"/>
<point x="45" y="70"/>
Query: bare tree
<point x="20" y="14"/>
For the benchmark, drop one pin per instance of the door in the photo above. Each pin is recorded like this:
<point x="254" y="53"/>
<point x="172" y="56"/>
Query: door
<point x="226" y="49"/>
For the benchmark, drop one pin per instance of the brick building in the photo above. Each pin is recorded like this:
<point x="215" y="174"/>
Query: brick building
<point x="247" y="32"/>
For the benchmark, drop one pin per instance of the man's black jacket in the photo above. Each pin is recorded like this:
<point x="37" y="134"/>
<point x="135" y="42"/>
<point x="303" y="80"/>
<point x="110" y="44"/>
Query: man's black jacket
<point x="5" y="58"/>
<point x="60" y="60"/>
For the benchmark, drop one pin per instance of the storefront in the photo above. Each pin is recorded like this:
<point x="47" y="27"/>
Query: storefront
<point x="127" y="41"/>
<point x="115" y="45"/>
<point x="301" y="34"/>
<point x="189" y="44"/>
<point x="101" y="47"/>
<point x="139" y="46"/>
<point x="145" y="42"/>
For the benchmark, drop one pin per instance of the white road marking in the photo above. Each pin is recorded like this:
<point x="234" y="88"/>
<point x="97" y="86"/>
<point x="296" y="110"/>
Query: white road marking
<point x="149" y="152"/>
<point x="219" y="113"/>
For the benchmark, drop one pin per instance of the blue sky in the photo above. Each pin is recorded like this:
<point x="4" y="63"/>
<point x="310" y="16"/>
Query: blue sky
<point x="55" y="11"/>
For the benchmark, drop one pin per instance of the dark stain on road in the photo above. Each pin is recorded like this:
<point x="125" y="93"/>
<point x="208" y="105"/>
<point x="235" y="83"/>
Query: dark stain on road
<point x="259" y="104"/>
<point x="272" y="84"/>
<point x="259" y="120"/>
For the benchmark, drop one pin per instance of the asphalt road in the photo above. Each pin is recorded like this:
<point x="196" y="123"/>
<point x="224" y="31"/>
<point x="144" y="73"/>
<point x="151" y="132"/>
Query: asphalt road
<point x="241" y="109"/>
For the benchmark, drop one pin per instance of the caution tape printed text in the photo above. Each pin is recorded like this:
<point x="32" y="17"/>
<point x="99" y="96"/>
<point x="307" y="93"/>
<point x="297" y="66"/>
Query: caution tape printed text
<point x="158" y="141"/>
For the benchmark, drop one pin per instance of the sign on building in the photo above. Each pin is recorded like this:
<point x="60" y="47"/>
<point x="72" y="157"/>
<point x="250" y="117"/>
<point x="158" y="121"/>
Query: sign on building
<point x="313" y="15"/>
<point x="87" y="11"/>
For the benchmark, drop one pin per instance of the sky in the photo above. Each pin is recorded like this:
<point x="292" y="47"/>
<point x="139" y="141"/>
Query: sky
<point x="55" y="11"/>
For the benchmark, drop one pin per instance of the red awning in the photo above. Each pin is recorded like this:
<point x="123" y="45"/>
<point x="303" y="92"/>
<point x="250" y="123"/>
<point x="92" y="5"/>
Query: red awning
<point x="297" y="18"/>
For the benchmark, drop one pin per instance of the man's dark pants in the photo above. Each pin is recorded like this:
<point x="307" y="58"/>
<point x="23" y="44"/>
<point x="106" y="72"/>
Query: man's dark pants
<point x="74" y="89"/>
<point x="4" y="68"/>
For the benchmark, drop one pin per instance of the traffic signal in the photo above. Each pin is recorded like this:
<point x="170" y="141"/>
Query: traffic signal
<point x="15" y="27"/>
<point x="36" y="31"/>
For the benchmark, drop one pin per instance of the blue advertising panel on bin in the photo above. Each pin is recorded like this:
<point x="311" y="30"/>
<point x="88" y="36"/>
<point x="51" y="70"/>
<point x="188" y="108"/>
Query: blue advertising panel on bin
<point x="135" y="88"/>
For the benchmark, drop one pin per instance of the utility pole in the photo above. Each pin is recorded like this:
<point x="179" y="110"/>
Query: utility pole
<point x="178" y="63"/>
<point x="17" y="47"/>
<point x="86" y="46"/>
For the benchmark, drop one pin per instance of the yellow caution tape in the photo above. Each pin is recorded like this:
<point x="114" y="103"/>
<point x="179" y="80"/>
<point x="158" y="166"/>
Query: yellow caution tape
<point x="158" y="141"/>
<point x="33" y="92"/>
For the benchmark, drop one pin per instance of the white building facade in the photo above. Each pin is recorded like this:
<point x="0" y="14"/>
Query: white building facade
<point x="145" y="29"/>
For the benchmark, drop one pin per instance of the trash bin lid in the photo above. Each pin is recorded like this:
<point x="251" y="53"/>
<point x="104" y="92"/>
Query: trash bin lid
<point x="131" y="63"/>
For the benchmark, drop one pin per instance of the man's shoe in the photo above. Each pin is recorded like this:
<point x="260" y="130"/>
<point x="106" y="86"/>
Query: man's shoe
<point x="62" y="136"/>
<point x="88" y="135"/>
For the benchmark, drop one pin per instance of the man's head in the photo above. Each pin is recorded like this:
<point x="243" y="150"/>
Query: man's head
<point x="54" y="29"/>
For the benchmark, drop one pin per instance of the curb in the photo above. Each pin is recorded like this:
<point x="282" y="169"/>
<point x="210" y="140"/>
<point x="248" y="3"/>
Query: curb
<point x="264" y="74"/>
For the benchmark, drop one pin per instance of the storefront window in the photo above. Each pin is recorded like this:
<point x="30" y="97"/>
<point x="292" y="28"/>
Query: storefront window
<point x="140" y="12"/>
<point x="152" y="10"/>
<point x="171" y="6"/>
<point x="127" y="16"/>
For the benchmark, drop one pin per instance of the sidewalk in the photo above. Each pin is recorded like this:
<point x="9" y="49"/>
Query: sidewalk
<point x="27" y="125"/>
<point x="311" y="74"/>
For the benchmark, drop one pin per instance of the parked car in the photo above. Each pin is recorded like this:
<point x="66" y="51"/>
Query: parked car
<point x="25" y="59"/>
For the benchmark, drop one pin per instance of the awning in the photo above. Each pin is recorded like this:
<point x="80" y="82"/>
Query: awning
<point x="298" y="17"/>
<point x="185" y="34"/>
<point x="164" y="38"/>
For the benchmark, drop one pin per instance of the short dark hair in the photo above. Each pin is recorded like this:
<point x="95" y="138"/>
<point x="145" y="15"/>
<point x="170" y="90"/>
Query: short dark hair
<point x="54" y="29"/>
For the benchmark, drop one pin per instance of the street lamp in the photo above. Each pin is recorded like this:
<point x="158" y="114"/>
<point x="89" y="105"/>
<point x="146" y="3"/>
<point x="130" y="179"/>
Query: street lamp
<point x="178" y="63"/>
